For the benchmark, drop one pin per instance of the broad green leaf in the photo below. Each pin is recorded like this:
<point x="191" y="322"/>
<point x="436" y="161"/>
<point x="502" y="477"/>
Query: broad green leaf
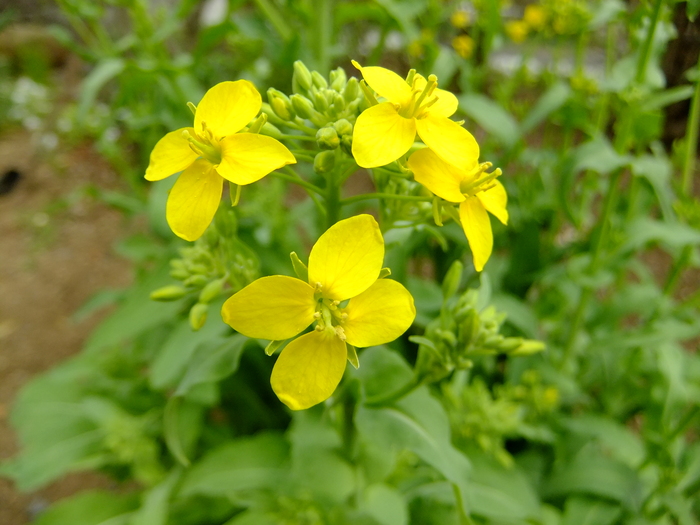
<point x="657" y="170"/>
<point x="385" y="504"/>
<point x="554" y="98"/>
<point x="93" y="507"/>
<point x="520" y="314"/>
<point x="598" y="155"/>
<point x="155" y="506"/>
<point x="616" y="438"/>
<point x="250" y="463"/>
<point x="136" y="314"/>
<point x="490" y="116"/>
<point x="382" y="372"/>
<point x="211" y="362"/>
<point x="675" y="235"/>
<point x="589" y="511"/>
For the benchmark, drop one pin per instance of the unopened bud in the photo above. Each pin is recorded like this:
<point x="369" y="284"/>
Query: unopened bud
<point x="211" y="291"/>
<point x="510" y="343"/>
<point x="346" y="144"/>
<point x="338" y="102"/>
<point x="327" y="138"/>
<point x="451" y="282"/>
<point x="352" y="90"/>
<point x="271" y="131"/>
<point x="338" y="79"/>
<point x="320" y="102"/>
<point x="196" y="281"/>
<point x="318" y="80"/>
<point x="343" y="127"/>
<point x="302" y="75"/>
<point x="529" y="347"/>
<point x="168" y="293"/>
<point x="324" y="162"/>
<point x="280" y="104"/>
<point x="198" y="316"/>
<point x="302" y="106"/>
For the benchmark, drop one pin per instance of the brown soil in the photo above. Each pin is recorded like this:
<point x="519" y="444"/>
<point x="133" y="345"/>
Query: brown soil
<point x="56" y="251"/>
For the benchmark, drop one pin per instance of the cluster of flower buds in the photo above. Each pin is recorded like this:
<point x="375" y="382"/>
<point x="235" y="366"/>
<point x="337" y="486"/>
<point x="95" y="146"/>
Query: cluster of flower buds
<point x="218" y="264"/>
<point x="462" y="331"/>
<point x="327" y="106"/>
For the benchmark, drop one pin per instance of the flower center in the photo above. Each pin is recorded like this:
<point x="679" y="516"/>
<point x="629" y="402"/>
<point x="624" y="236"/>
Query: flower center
<point x="421" y="100"/>
<point x="474" y="182"/>
<point x="205" y="144"/>
<point x="330" y="317"/>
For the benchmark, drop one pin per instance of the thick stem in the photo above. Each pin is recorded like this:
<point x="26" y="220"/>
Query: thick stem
<point x="648" y="42"/>
<point x="324" y="30"/>
<point x="691" y="140"/>
<point x="370" y="196"/>
<point x="333" y="194"/>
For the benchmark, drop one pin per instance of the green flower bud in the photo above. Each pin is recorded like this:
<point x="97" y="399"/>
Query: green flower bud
<point x="510" y="343"/>
<point x="198" y="316"/>
<point x="168" y="293"/>
<point x="352" y="90"/>
<point x="327" y="138"/>
<point x="271" y="131"/>
<point x="211" y="291"/>
<point x="338" y="79"/>
<point x="179" y="273"/>
<point x="280" y="104"/>
<point x="302" y="75"/>
<point x="318" y="80"/>
<point x="346" y="144"/>
<point x="529" y="347"/>
<point x="324" y="162"/>
<point x="271" y="116"/>
<point x="196" y="281"/>
<point x="451" y="282"/>
<point x="338" y="102"/>
<point x="302" y="106"/>
<point x="320" y="102"/>
<point x="343" y="127"/>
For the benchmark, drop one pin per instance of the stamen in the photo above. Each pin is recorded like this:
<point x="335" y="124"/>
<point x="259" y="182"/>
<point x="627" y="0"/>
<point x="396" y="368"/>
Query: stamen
<point x="318" y="287"/>
<point x="340" y="332"/>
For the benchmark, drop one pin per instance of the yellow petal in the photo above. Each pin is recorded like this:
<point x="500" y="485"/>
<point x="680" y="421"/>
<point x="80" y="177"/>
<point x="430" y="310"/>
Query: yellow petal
<point x="193" y="201"/>
<point x="495" y="200"/>
<point x="381" y="136"/>
<point x="450" y="141"/>
<point x="477" y="228"/>
<point x="438" y="176"/>
<point x="171" y="155"/>
<point x="227" y="108"/>
<point x="386" y="83"/>
<point x="309" y="369"/>
<point x="276" y="308"/>
<point x="347" y="258"/>
<point x="446" y="104"/>
<point x="379" y="315"/>
<point x="248" y="157"/>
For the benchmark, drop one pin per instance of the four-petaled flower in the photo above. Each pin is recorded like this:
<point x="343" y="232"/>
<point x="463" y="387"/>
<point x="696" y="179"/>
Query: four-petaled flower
<point x="475" y="194"/>
<point x="212" y="151"/>
<point x="345" y="263"/>
<point x="385" y="132"/>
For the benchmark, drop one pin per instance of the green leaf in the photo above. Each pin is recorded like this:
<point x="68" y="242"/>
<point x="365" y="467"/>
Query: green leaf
<point x="588" y="511"/>
<point x="554" y="98"/>
<point x="88" y="508"/>
<point x="245" y="464"/>
<point x="136" y="314"/>
<point x="657" y="171"/>
<point x="616" y="438"/>
<point x="491" y="117"/>
<point x="383" y="371"/>
<point x="675" y="235"/>
<point x="212" y="362"/>
<point x="385" y="504"/>
<point x="92" y="84"/>
<point x="156" y="502"/>
<point x="598" y="155"/>
<point x="692" y="9"/>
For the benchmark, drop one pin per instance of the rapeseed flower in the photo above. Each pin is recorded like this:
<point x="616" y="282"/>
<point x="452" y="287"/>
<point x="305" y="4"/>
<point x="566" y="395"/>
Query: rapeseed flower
<point x="344" y="264"/>
<point x="386" y="131"/>
<point x="212" y="151"/>
<point x="475" y="191"/>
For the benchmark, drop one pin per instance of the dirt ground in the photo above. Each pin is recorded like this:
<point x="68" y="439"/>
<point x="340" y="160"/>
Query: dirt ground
<point x="56" y="251"/>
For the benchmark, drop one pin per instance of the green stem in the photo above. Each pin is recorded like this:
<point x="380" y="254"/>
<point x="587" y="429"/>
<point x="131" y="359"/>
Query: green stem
<point x="297" y="137"/>
<point x="692" y="140"/>
<point x="302" y="154"/>
<point x="324" y="28"/>
<point x="296" y="179"/>
<point x="275" y="18"/>
<point x="333" y="195"/>
<point x="648" y="41"/>
<point x="370" y="196"/>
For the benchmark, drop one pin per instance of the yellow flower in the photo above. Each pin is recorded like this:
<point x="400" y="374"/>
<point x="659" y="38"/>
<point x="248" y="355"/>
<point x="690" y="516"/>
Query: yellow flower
<point x="475" y="194"/>
<point x="517" y="30"/>
<point x="460" y="19"/>
<point x="385" y="132"/>
<point x="212" y="151"/>
<point x="344" y="264"/>
<point x="535" y="17"/>
<point x="463" y="45"/>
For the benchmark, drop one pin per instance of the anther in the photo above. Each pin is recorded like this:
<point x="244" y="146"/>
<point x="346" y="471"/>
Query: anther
<point x="340" y="332"/>
<point x="317" y="287"/>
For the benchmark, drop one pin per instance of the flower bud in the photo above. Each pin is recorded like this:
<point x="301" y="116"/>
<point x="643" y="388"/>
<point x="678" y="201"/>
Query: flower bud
<point x="338" y="79"/>
<point x="529" y="347"/>
<point x="320" y="102"/>
<point x="343" y="127"/>
<point x="338" y="102"/>
<point x="324" y="162"/>
<point x="318" y="80"/>
<point x="302" y="106"/>
<point x="451" y="282"/>
<point x="352" y="90"/>
<point x="211" y="291"/>
<point x="346" y="144"/>
<point x="271" y="131"/>
<point x="302" y="75"/>
<point x="280" y="104"/>
<point x="198" y="316"/>
<point x="196" y="281"/>
<point x="168" y="293"/>
<point x="327" y="138"/>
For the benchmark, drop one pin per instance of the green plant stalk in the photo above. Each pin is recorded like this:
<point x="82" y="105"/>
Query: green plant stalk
<point x="648" y="41"/>
<point x="370" y="196"/>
<point x="691" y="140"/>
<point x="275" y="18"/>
<point x="389" y="398"/>
<point x="324" y="29"/>
<point x="332" y="193"/>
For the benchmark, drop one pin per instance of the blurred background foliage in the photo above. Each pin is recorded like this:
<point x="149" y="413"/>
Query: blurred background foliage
<point x="591" y="109"/>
